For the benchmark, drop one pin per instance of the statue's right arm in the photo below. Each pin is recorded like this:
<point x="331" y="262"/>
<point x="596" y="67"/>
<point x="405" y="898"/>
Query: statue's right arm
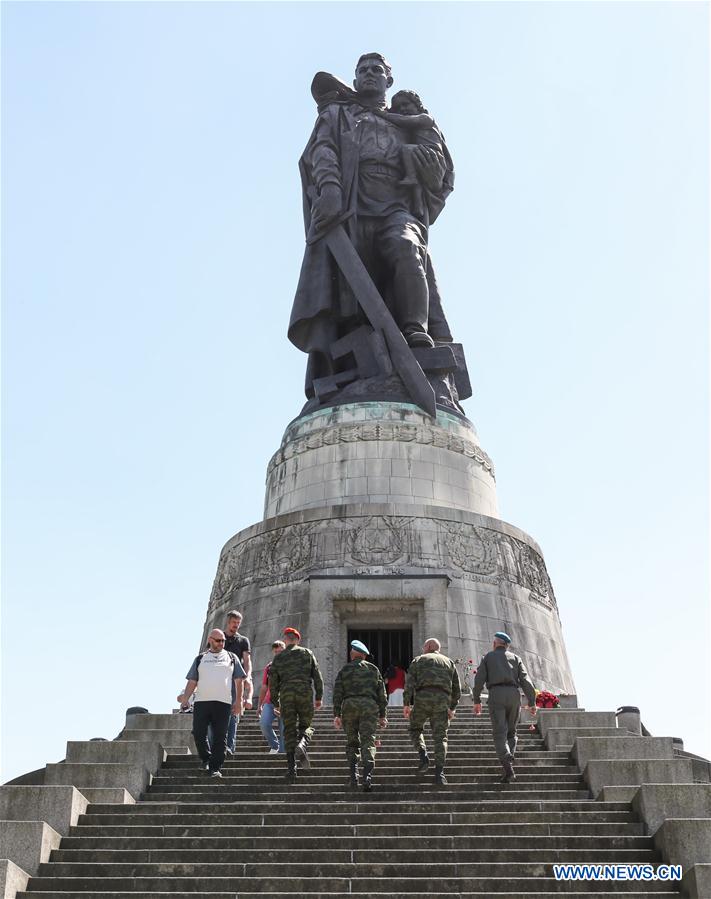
<point x="323" y="154"/>
<point x="323" y="159"/>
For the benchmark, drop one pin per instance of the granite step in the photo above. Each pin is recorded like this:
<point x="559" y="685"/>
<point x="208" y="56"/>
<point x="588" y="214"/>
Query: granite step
<point x="320" y="769"/>
<point x="509" y="877"/>
<point x="139" y="849"/>
<point x="507" y="801"/>
<point x="378" y="831"/>
<point x="569" y="835"/>
<point x="51" y="894"/>
<point x="226" y="862"/>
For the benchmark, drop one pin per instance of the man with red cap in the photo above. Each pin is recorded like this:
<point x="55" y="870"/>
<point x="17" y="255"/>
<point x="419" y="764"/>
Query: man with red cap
<point x="293" y="679"/>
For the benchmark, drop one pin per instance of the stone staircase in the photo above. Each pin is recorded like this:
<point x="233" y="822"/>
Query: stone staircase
<point x="253" y="835"/>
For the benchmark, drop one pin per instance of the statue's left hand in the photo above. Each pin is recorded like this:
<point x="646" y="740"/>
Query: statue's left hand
<point x="430" y="166"/>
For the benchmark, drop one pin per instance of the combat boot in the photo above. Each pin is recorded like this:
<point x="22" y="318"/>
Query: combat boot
<point x="439" y="775"/>
<point x="290" y="768"/>
<point x="368" y="777"/>
<point x="424" y="761"/>
<point x="509" y="773"/>
<point x="301" y="753"/>
<point x="353" y="779"/>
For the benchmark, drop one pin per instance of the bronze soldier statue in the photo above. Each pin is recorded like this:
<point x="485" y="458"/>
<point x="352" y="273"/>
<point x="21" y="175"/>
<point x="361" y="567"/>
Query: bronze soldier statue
<point x="358" y="169"/>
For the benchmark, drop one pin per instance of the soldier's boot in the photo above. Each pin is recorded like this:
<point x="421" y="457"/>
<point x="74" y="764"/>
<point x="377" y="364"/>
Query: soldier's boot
<point x="353" y="778"/>
<point x="509" y="773"/>
<point x="439" y="775"/>
<point x="424" y="761"/>
<point x="368" y="777"/>
<point x="290" y="768"/>
<point x="301" y="753"/>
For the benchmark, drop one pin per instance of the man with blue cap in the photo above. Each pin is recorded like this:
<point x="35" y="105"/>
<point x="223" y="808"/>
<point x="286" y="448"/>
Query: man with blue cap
<point x="359" y="703"/>
<point x="505" y="676"/>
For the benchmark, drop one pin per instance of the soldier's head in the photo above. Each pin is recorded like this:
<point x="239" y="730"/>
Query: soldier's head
<point x="277" y="647"/>
<point x="372" y="75"/>
<point x="358" y="650"/>
<point x="234" y="619"/>
<point x="431" y="644"/>
<point x="216" y="640"/>
<point x="291" y="636"/>
<point x="501" y="639"/>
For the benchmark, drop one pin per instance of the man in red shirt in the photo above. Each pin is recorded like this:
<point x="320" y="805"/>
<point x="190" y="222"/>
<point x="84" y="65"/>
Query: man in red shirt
<point x="265" y="709"/>
<point x="395" y="683"/>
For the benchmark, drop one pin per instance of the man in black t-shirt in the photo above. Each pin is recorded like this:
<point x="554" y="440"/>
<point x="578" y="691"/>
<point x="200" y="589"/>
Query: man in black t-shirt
<point x="239" y="645"/>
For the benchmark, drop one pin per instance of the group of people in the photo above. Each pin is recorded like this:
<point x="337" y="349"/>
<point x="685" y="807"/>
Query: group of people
<point x="292" y="690"/>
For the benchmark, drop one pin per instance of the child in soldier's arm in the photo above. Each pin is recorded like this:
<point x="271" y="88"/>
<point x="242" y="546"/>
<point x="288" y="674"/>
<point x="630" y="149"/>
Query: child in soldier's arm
<point x="407" y="111"/>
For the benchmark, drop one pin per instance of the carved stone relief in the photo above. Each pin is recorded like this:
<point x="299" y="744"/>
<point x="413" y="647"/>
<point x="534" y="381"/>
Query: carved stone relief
<point x="378" y="542"/>
<point x="390" y="431"/>
<point x="471" y="549"/>
<point x="285" y="552"/>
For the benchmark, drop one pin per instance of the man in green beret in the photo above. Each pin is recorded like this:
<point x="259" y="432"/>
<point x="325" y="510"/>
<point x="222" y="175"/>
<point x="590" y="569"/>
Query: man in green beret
<point x="359" y="703"/>
<point x="432" y="692"/>
<point x="293" y="672"/>
<point x="505" y="675"/>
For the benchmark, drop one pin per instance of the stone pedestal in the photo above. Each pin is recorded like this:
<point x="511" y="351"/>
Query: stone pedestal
<point x="380" y="453"/>
<point x="378" y="517"/>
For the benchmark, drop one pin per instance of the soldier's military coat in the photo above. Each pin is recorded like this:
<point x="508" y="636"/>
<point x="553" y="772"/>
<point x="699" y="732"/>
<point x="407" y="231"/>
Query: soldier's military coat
<point x="293" y="679"/>
<point x="505" y="675"/>
<point x="359" y="700"/>
<point x="432" y="689"/>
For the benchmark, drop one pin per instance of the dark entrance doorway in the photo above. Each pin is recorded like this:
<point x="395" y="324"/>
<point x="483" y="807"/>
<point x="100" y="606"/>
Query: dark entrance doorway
<point x="387" y="646"/>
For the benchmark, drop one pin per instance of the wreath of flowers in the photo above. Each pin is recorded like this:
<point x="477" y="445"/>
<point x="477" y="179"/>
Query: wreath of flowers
<point x="546" y="700"/>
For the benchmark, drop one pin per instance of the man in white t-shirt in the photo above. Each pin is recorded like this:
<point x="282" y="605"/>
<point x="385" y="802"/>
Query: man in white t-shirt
<point x="213" y="673"/>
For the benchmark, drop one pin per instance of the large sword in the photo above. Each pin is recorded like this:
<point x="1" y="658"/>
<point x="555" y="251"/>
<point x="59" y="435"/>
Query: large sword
<point x="380" y="318"/>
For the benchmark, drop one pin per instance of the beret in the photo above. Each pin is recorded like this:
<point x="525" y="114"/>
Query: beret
<point x="291" y="630"/>
<point x="502" y="636"/>
<point x="359" y="647"/>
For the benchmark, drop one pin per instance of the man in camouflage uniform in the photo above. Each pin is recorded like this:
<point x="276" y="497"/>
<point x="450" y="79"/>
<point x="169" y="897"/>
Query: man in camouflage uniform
<point x="505" y="675"/>
<point x="432" y="692"/>
<point x="359" y="702"/>
<point x="291" y="676"/>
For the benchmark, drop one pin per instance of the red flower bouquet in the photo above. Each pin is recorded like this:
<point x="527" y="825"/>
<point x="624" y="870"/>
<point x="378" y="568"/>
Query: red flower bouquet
<point x="546" y="700"/>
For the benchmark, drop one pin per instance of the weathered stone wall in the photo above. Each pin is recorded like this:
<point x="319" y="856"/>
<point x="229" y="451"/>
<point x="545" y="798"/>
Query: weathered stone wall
<point x="452" y="574"/>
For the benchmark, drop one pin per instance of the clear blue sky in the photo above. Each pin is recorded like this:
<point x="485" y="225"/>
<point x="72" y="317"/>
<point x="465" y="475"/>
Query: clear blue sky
<point x="152" y="238"/>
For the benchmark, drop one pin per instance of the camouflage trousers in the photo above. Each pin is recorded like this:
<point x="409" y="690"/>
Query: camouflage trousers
<point x="432" y="706"/>
<point x="360" y="721"/>
<point x="297" y="713"/>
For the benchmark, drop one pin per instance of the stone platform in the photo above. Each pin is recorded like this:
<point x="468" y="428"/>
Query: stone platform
<point x="379" y="518"/>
